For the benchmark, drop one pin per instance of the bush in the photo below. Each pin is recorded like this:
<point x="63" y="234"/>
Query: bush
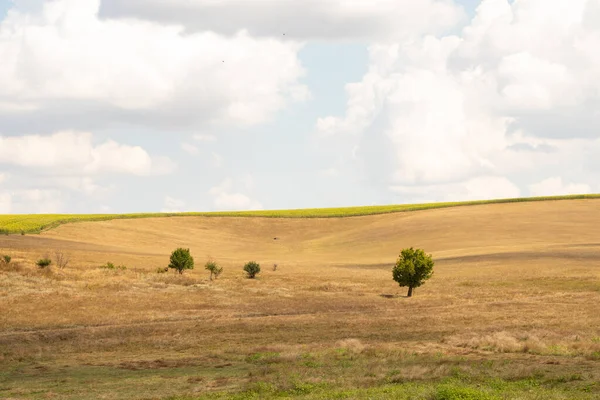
<point x="44" y="262"/>
<point x="181" y="259"/>
<point x="61" y="259"/>
<point x="112" y="266"/>
<point x="6" y="259"/>
<point x="412" y="269"/>
<point x="161" y="270"/>
<point x="214" y="269"/>
<point x="252" y="269"/>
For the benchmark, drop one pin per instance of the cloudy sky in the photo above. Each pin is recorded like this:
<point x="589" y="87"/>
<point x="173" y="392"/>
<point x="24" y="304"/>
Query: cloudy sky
<point x="194" y="105"/>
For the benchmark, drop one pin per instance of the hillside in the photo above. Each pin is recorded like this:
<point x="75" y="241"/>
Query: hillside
<point x="513" y="301"/>
<point x="36" y="223"/>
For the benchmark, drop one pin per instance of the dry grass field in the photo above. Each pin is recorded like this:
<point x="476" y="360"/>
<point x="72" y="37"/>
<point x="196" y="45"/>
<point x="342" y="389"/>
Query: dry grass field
<point x="512" y="311"/>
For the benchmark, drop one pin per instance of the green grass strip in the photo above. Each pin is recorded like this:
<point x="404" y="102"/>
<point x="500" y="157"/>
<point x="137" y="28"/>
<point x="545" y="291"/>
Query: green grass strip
<point x="36" y="223"/>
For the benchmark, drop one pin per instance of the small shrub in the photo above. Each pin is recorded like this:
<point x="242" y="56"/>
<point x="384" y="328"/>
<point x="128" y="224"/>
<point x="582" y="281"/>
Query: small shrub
<point x="214" y="269"/>
<point x="161" y="270"/>
<point x="44" y="262"/>
<point x="6" y="259"/>
<point x="181" y="259"/>
<point x="61" y="259"/>
<point x="112" y="266"/>
<point x="252" y="268"/>
<point x="274" y="267"/>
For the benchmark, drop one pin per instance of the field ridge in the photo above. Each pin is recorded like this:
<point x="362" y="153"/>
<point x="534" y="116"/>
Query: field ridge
<point x="37" y="223"/>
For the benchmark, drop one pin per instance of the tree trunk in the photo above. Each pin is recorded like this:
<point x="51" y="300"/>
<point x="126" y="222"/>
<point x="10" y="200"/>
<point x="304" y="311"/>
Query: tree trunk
<point x="410" y="289"/>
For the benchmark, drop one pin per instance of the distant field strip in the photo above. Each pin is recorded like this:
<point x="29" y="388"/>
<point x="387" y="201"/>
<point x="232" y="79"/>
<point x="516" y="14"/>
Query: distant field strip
<point x="36" y="223"/>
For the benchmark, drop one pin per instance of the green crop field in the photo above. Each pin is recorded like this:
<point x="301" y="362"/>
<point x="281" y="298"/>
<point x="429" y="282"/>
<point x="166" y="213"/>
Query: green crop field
<point x="36" y="223"/>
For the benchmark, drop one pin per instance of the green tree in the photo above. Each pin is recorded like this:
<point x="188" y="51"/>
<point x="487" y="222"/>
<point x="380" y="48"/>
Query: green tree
<point x="6" y="258"/>
<point x="412" y="269"/>
<point x="214" y="269"/>
<point x="181" y="259"/>
<point x="252" y="269"/>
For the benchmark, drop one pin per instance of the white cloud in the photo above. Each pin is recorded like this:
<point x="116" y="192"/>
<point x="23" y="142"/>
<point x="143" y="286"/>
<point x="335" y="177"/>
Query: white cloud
<point x="3" y="177"/>
<point x="555" y="186"/>
<point x="227" y="199"/>
<point x="189" y="148"/>
<point x="5" y="203"/>
<point x="66" y="61"/>
<point x="173" y="205"/>
<point x="516" y="91"/>
<point x="248" y="181"/>
<point x="535" y="83"/>
<point x="43" y="201"/>
<point x="76" y="152"/>
<point x="480" y="188"/>
<point x="85" y="185"/>
<point x="330" y="172"/>
<point x="217" y="160"/>
<point x="235" y="201"/>
<point x="205" y="138"/>
<point x="307" y="19"/>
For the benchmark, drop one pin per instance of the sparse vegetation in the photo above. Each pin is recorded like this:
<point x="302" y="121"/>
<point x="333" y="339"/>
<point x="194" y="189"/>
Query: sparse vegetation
<point x="43" y="262"/>
<point x="61" y="259"/>
<point x="252" y="269"/>
<point x="112" y="266"/>
<point x="412" y="269"/>
<point x="181" y="259"/>
<point x="214" y="268"/>
<point x="6" y="259"/>
<point x="322" y="327"/>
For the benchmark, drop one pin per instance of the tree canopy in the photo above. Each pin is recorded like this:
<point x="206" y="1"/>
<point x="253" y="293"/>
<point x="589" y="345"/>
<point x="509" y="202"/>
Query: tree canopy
<point x="412" y="269"/>
<point x="181" y="259"/>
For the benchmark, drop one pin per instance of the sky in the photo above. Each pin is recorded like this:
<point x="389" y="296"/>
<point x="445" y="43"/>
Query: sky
<point x="111" y="106"/>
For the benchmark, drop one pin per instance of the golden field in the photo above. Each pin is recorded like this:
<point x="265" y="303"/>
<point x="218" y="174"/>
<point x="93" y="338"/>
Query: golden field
<point x="512" y="310"/>
<point x="36" y="223"/>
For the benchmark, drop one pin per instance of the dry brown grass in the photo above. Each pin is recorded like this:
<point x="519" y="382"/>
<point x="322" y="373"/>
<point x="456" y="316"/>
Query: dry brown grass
<point x="517" y="282"/>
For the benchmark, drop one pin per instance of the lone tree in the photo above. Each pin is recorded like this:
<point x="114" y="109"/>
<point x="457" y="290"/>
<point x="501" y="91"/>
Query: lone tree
<point x="214" y="269"/>
<point x="412" y="269"/>
<point x="181" y="259"/>
<point x="252" y="269"/>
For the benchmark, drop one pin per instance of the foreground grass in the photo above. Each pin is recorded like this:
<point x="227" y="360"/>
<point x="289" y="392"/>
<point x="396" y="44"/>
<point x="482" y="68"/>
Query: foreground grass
<point x="35" y="223"/>
<point x="448" y="389"/>
<point x="330" y="374"/>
